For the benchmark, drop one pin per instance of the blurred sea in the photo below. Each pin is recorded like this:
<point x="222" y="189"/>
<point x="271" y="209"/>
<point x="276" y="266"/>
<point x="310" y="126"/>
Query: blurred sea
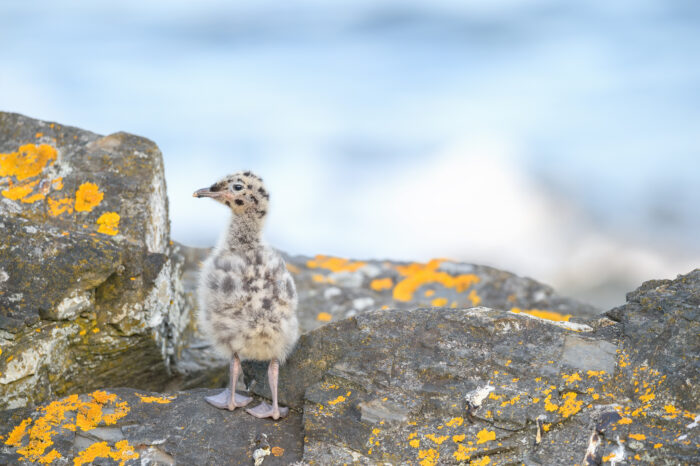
<point x="557" y="140"/>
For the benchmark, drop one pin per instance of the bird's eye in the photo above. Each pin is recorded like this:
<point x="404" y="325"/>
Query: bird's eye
<point x="237" y="187"/>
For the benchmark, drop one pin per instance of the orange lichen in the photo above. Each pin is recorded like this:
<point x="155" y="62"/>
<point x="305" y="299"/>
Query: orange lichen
<point x="18" y="433"/>
<point x="548" y="405"/>
<point x="549" y="315"/>
<point x="646" y="398"/>
<point x="277" y="451"/>
<point x="438" y="302"/>
<point x="463" y="452"/>
<point x="121" y="452"/>
<point x="637" y="436"/>
<point x="156" y="399"/>
<point x="658" y="445"/>
<point x="511" y="402"/>
<point x="108" y="223"/>
<point x="339" y="399"/>
<point x="571" y="405"/>
<point x="415" y="443"/>
<point x="87" y="197"/>
<point x="437" y="439"/>
<point x="58" y="182"/>
<point x="417" y="275"/>
<point x="575" y="377"/>
<point x="33" y="199"/>
<point x="292" y="268"/>
<point x="455" y="421"/>
<point x="324" y="317"/>
<point x="474" y="298"/>
<point x="458" y="438"/>
<point x="481" y="461"/>
<point x="50" y="457"/>
<point x="334" y="264"/>
<point x="380" y="284"/>
<point x="320" y="278"/>
<point x="27" y="162"/>
<point x="60" y="206"/>
<point x="428" y="457"/>
<point x="625" y="420"/>
<point x="429" y="293"/>
<point x="15" y="193"/>
<point x="485" y="435"/>
<point x="53" y="416"/>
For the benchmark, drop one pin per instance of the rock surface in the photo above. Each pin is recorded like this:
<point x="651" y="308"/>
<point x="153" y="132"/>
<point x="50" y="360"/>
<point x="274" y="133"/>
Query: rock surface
<point x="90" y="294"/>
<point x="428" y="386"/>
<point x="333" y="288"/>
<point x="124" y="426"/>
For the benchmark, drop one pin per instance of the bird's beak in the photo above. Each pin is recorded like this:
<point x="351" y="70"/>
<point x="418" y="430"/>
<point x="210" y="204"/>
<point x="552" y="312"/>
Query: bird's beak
<point x="205" y="192"/>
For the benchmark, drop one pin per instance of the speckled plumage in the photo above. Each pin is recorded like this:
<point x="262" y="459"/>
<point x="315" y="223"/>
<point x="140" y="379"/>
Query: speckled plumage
<point x="247" y="297"/>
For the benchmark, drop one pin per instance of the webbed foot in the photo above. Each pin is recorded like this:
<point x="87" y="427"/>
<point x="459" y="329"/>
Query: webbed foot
<point x="223" y="400"/>
<point x="264" y="410"/>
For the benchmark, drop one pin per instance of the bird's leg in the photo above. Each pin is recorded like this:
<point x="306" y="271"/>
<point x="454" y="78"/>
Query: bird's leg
<point x="264" y="409"/>
<point x="229" y="399"/>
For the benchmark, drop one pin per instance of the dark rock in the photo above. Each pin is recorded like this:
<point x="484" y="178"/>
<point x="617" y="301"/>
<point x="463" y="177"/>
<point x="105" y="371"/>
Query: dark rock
<point x="427" y="386"/>
<point x="332" y="288"/>
<point x="90" y="293"/>
<point x="124" y="426"/>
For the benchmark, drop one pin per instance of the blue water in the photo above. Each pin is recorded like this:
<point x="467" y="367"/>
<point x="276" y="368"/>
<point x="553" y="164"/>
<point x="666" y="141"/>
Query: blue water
<point x="339" y="105"/>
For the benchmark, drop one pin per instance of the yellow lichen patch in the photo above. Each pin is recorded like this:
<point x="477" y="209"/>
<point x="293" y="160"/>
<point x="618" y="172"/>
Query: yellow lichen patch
<point x="548" y="405"/>
<point x="463" y="452"/>
<point x="549" y="315"/>
<point x="575" y="377"/>
<point x="121" y="452"/>
<point x="429" y="293"/>
<point x="156" y="399"/>
<point x="658" y="445"/>
<point x="417" y="275"/>
<point x="474" y="298"/>
<point x="334" y="264"/>
<point x="87" y="197"/>
<point x="646" y="398"/>
<point x="340" y="399"/>
<point x="481" y="461"/>
<point x="428" y="457"/>
<point x="438" y="302"/>
<point x="292" y="268"/>
<point x="102" y="396"/>
<point x="58" y="183"/>
<point x="380" y="284"/>
<point x="320" y="278"/>
<point x="485" y="435"/>
<point x="637" y="436"/>
<point x="15" y="193"/>
<point x="53" y="416"/>
<point x="18" y="433"/>
<point x="455" y="421"/>
<point x="437" y="439"/>
<point x="277" y="451"/>
<point x="415" y="443"/>
<point x="511" y="402"/>
<point x="108" y="223"/>
<point x="324" y="317"/>
<point x="33" y="199"/>
<point x="571" y="405"/>
<point x="671" y="411"/>
<point x="27" y="162"/>
<point x="50" y="457"/>
<point x="595" y="374"/>
<point x="625" y="420"/>
<point x="60" y="206"/>
<point x="458" y="438"/>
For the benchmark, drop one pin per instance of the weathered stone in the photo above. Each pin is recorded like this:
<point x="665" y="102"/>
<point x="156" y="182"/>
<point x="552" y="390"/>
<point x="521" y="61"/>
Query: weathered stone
<point x="331" y="288"/>
<point x="89" y="284"/>
<point x="424" y="386"/>
<point x="123" y="426"/>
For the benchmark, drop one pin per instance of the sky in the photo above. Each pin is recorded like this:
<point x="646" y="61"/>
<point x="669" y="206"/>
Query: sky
<point x="557" y="141"/>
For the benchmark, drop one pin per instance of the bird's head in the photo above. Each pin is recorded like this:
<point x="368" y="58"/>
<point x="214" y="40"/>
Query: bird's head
<point x="243" y="192"/>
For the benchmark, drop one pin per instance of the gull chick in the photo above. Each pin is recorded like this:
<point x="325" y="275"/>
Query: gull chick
<point x="247" y="298"/>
